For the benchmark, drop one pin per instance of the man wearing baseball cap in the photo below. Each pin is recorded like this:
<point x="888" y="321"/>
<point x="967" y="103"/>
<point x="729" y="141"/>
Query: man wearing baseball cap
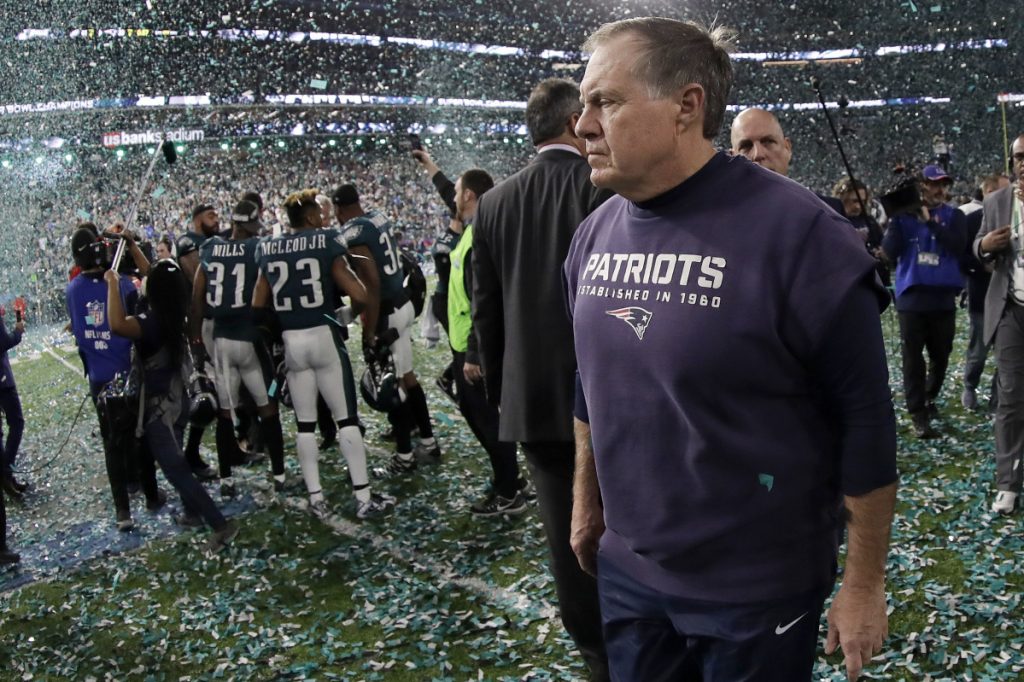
<point x="927" y="246"/>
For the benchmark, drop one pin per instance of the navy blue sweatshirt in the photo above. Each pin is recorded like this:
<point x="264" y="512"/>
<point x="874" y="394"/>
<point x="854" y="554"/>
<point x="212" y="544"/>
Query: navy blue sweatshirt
<point x="728" y="412"/>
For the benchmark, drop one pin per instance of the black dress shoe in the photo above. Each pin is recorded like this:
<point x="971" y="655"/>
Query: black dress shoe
<point x="22" y="487"/>
<point x="9" y="557"/>
<point x="12" y="489"/>
<point x="923" y="428"/>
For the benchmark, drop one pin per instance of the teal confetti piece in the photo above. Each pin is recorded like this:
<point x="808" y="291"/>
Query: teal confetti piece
<point x="936" y="8"/>
<point x="158" y="192"/>
<point x="767" y="480"/>
<point x="318" y="84"/>
<point x="84" y="215"/>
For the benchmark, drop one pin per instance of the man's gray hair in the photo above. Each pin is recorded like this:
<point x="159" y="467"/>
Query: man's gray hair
<point x="675" y="53"/>
<point x="550" y="105"/>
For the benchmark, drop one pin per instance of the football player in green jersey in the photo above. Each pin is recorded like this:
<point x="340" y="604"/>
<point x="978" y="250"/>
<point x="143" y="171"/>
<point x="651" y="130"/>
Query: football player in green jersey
<point x="368" y="235"/>
<point x="223" y="289"/>
<point x="300" y="274"/>
<point x="205" y="224"/>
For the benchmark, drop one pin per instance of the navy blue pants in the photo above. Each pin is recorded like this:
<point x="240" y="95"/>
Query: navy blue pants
<point x="10" y="405"/>
<point x="163" y="431"/>
<point x="658" y="637"/>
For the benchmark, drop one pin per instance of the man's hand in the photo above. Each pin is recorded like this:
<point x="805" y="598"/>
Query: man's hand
<point x="587" y="512"/>
<point x="111" y="277"/>
<point x="472" y="372"/>
<point x="585" y="534"/>
<point x="924" y="214"/>
<point x="19" y="326"/>
<point x="996" y="240"/>
<point x="428" y="163"/>
<point x="858" y="623"/>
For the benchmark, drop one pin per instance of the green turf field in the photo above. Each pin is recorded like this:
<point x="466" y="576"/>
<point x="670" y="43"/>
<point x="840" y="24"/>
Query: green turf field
<point x="429" y="593"/>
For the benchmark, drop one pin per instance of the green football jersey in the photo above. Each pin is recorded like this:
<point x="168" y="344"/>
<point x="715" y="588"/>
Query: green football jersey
<point x="374" y="231"/>
<point x="231" y="270"/>
<point x="189" y="242"/>
<point x="298" y="268"/>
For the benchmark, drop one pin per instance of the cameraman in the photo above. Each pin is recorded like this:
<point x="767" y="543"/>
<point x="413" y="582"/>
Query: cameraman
<point x="104" y="356"/>
<point x="927" y="247"/>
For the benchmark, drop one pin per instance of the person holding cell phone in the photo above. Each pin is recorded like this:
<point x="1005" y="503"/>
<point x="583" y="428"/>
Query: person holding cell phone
<point x="1000" y="245"/>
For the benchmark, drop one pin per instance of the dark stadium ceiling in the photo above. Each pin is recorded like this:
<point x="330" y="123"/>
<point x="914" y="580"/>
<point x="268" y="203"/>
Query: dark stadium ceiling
<point x="62" y="56"/>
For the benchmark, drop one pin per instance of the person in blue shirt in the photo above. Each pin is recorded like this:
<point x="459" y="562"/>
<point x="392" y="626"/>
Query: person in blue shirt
<point x="733" y="392"/>
<point x="105" y="356"/>
<point x="928" y="248"/>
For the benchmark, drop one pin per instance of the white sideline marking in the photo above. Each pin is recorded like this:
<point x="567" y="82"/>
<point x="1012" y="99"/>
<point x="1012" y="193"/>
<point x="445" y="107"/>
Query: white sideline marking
<point x="493" y="593"/>
<point x="76" y="370"/>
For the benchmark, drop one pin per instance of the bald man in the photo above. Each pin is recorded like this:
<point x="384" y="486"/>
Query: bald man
<point x="757" y="135"/>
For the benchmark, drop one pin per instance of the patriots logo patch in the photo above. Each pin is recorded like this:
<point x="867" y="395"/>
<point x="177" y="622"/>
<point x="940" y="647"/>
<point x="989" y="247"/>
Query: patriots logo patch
<point x="637" y="318"/>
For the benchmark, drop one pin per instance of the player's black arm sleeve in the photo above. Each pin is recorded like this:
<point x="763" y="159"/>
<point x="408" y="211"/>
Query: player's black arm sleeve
<point x="446" y="188"/>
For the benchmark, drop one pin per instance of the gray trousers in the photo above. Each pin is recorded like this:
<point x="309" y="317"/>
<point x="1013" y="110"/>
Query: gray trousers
<point x="1009" y="429"/>
<point x="977" y="351"/>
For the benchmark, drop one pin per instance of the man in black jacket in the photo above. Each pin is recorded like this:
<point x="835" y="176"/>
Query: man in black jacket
<point x="521" y="237"/>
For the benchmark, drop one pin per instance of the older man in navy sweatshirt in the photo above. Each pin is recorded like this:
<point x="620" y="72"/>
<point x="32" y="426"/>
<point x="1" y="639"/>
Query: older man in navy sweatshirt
<point x="733" y="391"/>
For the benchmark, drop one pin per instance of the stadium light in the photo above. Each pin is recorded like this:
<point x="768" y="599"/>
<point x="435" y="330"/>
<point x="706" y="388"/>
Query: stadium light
<point x="179" y="148"/>
<point x="280" y="143"/>
<point x="6" y="163"/>
<point x="39" y="160"/>
<point x="69" y="158"/>
<point x="225" y="146"/>
<point x="120" y="153"/>
<point x="332" y="142"/>
<point x="254" y="144"/>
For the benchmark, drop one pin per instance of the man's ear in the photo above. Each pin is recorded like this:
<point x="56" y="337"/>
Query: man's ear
<point x="573" y="120"/>
<point x="690" y="99"/>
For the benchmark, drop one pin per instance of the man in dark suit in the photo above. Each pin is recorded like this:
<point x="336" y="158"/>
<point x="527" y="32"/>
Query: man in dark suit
<point x="522" y="235"/>
<point x="999" y="242"/>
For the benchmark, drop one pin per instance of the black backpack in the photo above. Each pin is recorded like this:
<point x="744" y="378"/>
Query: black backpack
<point x="413" y="280"/>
